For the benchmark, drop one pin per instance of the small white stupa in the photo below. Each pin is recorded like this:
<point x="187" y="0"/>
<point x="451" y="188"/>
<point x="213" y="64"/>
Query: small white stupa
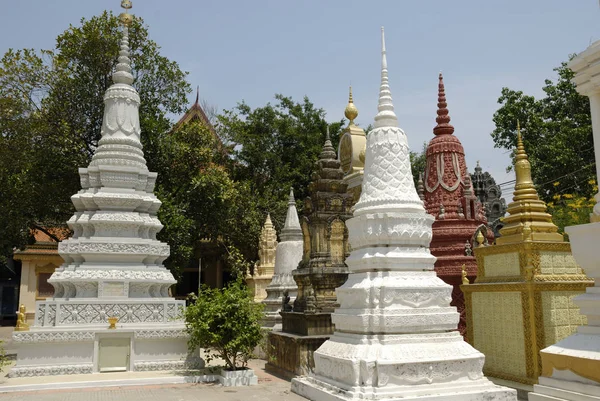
<point x="111" y="310"/>
<point x="288" y="255"/>
<point x="395" y="333"/>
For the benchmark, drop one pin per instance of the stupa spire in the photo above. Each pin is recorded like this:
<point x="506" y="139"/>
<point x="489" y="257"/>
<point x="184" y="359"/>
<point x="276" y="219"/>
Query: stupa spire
<point x="527" y="219"/>
<point x="291" y="228"/>
<point x="328" y="151"/>
<point x="123" y="75"/>
<point x="385" y="116"/>
<point x="443" y="126"/>
<point x="351" y="111"/>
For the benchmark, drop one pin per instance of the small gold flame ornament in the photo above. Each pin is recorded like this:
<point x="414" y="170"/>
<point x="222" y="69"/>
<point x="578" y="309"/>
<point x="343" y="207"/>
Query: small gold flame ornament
<point x="113" y="322"/>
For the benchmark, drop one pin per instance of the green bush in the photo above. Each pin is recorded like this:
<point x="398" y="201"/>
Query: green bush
<point x="225" y="323"/>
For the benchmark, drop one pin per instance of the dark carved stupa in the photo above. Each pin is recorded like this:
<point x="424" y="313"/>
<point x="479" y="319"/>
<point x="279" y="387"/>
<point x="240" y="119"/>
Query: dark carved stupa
<point x="490" y="195"/>
<point x="321" y="270"/>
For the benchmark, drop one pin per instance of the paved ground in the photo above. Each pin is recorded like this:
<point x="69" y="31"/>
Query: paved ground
<point x="183" y="392"/>
<point x="269" y="388"/>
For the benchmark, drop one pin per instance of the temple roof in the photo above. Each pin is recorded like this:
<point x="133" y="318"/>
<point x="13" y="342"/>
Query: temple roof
<point x="527" y="219"/>
<point x="196" y="113"/>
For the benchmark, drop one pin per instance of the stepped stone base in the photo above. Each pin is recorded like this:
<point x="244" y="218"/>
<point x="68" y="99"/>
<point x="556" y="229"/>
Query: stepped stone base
<point x="469" y="390"/>
<point x="47" y="352"/>
<point x="561" y="390"/>
<point x="291" y="354"/>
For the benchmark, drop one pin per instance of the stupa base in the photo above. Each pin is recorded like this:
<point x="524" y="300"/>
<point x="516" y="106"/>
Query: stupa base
<point x="290" y="354"/>
<point x="426" y="366"/>
<point x="52" y="351"/>
<point x="317" y="389"/>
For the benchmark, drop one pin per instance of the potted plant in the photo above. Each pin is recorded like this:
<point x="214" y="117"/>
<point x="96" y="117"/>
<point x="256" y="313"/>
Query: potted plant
<point x="226" y="324"/>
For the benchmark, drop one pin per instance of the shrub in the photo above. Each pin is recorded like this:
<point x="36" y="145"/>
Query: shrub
<point x="225" y="323"/>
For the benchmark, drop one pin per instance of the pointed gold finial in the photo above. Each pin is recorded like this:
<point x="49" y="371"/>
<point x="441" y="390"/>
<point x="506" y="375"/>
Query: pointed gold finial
<point x="351" y="111"/>
<point x="527" y="219"/>
<point x="125" y="17"/>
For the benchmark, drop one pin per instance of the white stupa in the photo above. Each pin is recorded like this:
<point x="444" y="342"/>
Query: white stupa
<point x="287" y="256"/>
<point x="395" y="333"/>
<point x="112" y="264"/>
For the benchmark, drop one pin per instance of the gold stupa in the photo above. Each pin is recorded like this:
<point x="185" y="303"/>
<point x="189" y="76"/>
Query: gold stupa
<point x="522" y="299"/>
<point x="527" y="219"/>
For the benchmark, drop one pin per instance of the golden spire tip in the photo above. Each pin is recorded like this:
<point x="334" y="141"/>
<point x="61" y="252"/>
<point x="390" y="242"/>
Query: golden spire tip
<point x="125" y="17"/>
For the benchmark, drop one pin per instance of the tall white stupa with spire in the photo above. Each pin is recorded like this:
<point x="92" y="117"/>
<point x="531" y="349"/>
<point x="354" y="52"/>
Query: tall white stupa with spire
<point x="395" y="333"/>
<point x="111" y="310"/>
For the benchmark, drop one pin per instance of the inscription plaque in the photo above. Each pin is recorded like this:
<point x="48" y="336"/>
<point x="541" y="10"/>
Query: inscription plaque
<point x="113" y="289"/>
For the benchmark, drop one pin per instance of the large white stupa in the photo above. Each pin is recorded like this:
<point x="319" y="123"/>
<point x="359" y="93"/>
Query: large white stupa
<point x="112" y="264"/>
<point x="395" y="333"/>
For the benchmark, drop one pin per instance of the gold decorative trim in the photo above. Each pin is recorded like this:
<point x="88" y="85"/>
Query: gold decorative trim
<point x="584" y="367"/>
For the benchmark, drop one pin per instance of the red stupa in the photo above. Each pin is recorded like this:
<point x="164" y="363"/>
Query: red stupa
<point x="449" y="197"/>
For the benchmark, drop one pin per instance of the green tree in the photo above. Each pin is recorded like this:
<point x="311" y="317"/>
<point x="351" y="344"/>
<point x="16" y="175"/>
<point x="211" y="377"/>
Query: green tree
<point x="275" y="147"/>
<point x="557" y="133"/>
<point x="51" y="108"/>
<point x="418" y="162"/>
<point x="201" y="200"/>
<point x="225" y="323"/>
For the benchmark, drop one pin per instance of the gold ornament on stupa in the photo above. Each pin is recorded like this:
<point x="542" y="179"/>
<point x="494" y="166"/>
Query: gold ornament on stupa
<point x="527" y="219"/>
<point x="351" y="112"/>
<point x="125" y="18"/>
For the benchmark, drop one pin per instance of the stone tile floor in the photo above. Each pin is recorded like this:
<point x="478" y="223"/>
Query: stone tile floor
<point x="269" y="388"/>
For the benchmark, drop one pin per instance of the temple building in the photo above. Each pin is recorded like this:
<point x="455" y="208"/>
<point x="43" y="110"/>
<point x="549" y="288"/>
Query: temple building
<point x="111" y="310"/>
<point x="490" y="196"/>
<point x="38" y="261"/>
<point x="448" y="196"/>
<point x="571" y="367"/>
<point x="522" y="299"/>
<point x="395" y="332"/>
<point x="282" y="288"/>
<point x="307" y="322"/>
<point x="351" y="151"/>
<point x="264" y="269"/>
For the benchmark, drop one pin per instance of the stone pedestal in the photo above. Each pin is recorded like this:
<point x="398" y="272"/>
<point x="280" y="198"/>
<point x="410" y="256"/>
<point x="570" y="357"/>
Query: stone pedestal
<point x="393" y="334"/>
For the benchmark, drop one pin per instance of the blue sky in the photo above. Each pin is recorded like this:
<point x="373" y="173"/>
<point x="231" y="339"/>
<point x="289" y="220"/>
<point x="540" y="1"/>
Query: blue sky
<point x="251" y="50"/>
